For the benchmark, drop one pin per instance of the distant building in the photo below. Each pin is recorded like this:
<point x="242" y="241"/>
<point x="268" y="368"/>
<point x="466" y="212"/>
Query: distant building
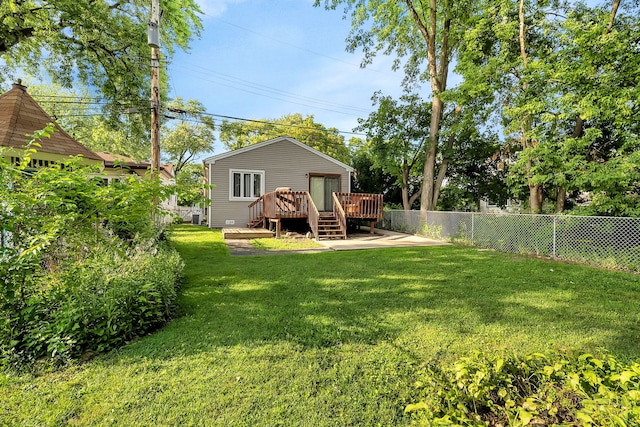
<point x="20" y="115"/>
<point x="117" y="167"/>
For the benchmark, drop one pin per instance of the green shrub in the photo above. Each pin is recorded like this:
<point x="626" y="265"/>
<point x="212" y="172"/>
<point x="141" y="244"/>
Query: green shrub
<point x="538" y="389"/>
<point x="109" y="298"/>
<point x="83" y="267"/>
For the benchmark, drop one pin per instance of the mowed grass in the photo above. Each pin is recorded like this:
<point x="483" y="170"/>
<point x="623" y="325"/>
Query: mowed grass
<point x="328" y="339"/>
<point x="272" y="244"/>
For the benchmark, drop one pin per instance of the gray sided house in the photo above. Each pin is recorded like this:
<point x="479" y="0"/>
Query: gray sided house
<point x="275" y="179"/>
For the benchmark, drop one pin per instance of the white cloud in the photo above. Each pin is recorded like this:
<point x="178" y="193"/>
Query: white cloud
<point x="213" y="8"/>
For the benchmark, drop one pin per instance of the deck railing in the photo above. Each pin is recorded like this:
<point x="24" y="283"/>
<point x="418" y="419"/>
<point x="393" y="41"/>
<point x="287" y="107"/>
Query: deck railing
<point x="256" y="209"/>
<point x="338" y="212"/>
<point x="298" y="204"/>
<point x="286" y="204"/>
<point x="361" y="205"/>
<point x="314" y="216"/>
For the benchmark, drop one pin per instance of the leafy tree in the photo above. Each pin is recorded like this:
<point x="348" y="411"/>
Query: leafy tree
<point x="565" y="91"/>
<point x="478" y="172"/>
<point x="503" y="57"/>
<point x="81" y="264"/>
<point x="369" y="178"/>
<point x="398" y="133"/>
<point x="79" y="113"/>
<point x="236" y="135"/>
<point x="191" y="136"/>
<point x="427" y="34"/>
<point x="102" y="44"/>
<point x="190" y="185"/>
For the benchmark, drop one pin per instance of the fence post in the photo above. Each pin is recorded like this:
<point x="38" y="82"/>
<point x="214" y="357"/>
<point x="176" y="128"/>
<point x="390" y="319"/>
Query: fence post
<point x="555" y="218"/>
<point x="424" y="225"/>
<point x="473" y="226"/>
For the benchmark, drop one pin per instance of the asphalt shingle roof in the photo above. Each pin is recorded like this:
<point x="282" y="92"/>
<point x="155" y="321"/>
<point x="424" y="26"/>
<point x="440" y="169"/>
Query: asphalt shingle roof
<point x="20" y="115"/>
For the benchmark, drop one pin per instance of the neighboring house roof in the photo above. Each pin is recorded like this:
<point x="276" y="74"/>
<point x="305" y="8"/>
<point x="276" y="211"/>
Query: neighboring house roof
<point x="20" y="115"/>
<point x="116" y="160"/>
<point x="213" y="159"/>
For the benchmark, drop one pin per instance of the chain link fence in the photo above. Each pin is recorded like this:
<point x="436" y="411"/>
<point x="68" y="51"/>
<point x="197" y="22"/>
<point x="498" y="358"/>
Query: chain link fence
<point x="603" y="241"/>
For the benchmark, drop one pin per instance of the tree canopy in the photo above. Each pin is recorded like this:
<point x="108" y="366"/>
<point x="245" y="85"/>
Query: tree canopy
<point x="397" y="134"/>
<point x="191" y="136"/>
<point x="238" y="134"/>
<point x="80" y="114"/>
<point x="427" y="36"/>
<point x="567" y="95"/>
<point x="102" y="44"/>
<point x="558" y="78"/>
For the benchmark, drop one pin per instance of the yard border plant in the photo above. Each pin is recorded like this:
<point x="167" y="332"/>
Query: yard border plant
<point x="536" y="389"/>
<point x="83" y="267"/>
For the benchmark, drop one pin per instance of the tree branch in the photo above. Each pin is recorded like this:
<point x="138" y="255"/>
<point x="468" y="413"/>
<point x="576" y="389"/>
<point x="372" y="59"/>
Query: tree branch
<point x="612" y="17"/>
<point x="13" y="38"/>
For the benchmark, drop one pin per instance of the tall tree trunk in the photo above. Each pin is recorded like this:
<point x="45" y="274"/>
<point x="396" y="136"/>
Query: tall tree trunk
<point x="535" y="190"/>
<point x="561" y="199"/>
<point x="427" y="201"/>
<point x="406" y="205"/>
<point x="535" y="198"/>
<point x="446" y="158"/>
<point x="438" y="72"/>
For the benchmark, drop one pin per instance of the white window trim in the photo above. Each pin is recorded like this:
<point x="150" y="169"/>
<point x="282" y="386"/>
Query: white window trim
<point x="243" y="171"/>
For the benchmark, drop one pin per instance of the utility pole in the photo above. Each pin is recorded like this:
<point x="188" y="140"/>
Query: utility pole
<point x="154" y="43"/>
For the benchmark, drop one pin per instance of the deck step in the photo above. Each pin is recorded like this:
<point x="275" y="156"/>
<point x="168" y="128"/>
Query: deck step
<point x="255" y="223"/>
<point x="246" y="233"/>
<point x="329" y="228"/>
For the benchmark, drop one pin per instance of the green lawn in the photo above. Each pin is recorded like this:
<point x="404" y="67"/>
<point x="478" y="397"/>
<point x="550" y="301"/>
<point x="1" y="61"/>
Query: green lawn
<point x="271" y="244"/>
<point x="328" y="339"/>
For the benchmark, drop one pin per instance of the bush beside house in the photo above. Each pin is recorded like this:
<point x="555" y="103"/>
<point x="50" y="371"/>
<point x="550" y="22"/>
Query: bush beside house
<point x="83" y="266"/>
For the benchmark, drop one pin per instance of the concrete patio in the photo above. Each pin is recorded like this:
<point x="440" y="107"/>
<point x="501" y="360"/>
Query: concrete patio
<point x="381" y="239"/>
<point x="360" y="240"/>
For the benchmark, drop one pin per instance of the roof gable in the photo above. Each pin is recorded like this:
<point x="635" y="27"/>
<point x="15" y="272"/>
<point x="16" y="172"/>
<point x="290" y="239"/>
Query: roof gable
<point x="20" y="115"/>
<point x="117" y="160"/>
<point x="213" y="159"/>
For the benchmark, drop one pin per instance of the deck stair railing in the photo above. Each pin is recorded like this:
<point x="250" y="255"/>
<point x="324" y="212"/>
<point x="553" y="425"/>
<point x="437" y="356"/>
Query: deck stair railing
<point x="314" y="216"/>
<point x="287" y="204"/>
<point x="278" y="204"/>
<point x="339" y="214"/>
<point x="256" y="213"/>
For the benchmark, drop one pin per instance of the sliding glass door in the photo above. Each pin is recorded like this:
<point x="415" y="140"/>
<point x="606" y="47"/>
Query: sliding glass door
<point x="321" y="189"/>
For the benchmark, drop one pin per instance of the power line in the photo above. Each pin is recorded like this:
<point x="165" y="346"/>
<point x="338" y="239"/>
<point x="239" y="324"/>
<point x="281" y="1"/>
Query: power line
<point x="276" y="91"/>
<point x="266" y="122"/>
<point x="287" y="100"/>
<point x="144" y="105"/>
<point x="219" y="116"/>
<point x="304" y="49"/>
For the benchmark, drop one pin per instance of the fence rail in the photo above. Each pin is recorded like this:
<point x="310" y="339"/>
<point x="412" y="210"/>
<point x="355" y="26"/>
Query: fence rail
<point x="603" y="241"/>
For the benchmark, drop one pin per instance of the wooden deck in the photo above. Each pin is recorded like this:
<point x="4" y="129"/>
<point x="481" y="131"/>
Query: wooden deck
<point x="245" y="233"/>
<point x="281" y="204"/>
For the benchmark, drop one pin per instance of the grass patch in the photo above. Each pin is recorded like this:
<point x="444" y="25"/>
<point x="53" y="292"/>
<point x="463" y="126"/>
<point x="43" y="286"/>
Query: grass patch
<point x="285" y="244"/>
<point x="328" y="339"/>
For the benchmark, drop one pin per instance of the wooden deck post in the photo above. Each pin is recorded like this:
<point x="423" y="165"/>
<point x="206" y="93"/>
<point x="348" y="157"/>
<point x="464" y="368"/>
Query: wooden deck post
<point x="277" y="222"/>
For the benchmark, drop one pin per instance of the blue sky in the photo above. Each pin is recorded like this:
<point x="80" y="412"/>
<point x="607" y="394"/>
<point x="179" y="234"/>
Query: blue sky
<point x="260" y="59"/>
